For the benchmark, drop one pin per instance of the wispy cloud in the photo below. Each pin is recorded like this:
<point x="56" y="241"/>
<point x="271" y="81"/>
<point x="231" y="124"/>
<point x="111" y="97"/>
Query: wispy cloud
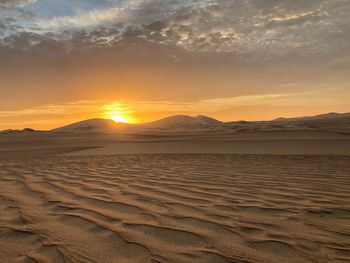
<point x="83" y="20"/>
<point x="54" y="109"/>
<point x="207" y="105"/>
<point x="130" y="107"/>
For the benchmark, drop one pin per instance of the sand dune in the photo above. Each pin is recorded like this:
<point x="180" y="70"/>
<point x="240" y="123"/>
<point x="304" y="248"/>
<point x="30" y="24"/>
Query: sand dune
<point x="175" y="208"/>
<point x="327" y="134"/>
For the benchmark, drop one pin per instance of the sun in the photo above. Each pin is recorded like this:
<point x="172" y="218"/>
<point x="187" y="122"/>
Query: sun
<point x="118" y="112"/>
<point x="119" y="118"/>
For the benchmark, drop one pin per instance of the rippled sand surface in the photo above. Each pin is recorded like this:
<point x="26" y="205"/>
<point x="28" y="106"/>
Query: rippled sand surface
<point x="175" y="208"/>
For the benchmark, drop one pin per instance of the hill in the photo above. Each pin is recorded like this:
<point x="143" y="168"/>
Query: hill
<point x="91" y="125"/>
<point x="183" y="121"/>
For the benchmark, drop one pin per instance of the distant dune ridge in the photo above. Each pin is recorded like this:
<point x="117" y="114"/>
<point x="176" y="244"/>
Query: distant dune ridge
<point x="185" y="121"/>
<point x="181" y="121"/>
<point x="86" y="125"/>
<point x="172" y="122"/>
<point x="200" y="121"/>
<point x="25" y="130"/>
<point x="327" y="116"/>
<point x="321" y="134"/>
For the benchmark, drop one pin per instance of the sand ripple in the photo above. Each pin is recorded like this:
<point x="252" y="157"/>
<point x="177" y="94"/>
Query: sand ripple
<point x="175" y="208"/>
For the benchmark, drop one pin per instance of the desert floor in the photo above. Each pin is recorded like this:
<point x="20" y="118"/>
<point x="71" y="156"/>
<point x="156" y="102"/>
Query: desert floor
<point x="175" y="208"/>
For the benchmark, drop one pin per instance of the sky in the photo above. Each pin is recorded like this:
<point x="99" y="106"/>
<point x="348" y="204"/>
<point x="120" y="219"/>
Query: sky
<point x="63" y="61"/>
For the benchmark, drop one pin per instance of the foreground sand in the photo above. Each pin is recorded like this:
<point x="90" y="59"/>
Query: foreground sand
<point x="175" y="208"/>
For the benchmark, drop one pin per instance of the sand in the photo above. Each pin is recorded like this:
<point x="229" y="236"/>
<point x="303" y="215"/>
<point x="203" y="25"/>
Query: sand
<point x="327" y="134"/>
<point x="175" y="208"/>
<point x="192" y="141"/>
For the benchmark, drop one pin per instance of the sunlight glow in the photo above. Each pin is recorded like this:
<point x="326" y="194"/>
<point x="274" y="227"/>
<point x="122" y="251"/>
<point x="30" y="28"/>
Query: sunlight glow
<point x="118" y="112"/>
<point x="119" y="118"/>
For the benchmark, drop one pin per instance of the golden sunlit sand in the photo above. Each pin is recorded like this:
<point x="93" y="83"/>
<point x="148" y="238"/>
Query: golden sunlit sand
<point x="175" y="208"/>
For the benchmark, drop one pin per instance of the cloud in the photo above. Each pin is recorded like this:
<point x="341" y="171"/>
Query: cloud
<point x="209" y="105"/>
<point x="11" y="12"/>
<point x="242" y="26"/>
<point x="129" y="106"/>
<point x="83" y="20"/>
<point x="53" y="109"/>
<point x="9" y="5"/>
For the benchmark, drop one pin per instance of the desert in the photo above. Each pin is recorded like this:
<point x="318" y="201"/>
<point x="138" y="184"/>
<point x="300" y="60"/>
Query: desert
<point x="175" y="208"/>
<point x="94" y="195"/>
<point x="174" y="131"/>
